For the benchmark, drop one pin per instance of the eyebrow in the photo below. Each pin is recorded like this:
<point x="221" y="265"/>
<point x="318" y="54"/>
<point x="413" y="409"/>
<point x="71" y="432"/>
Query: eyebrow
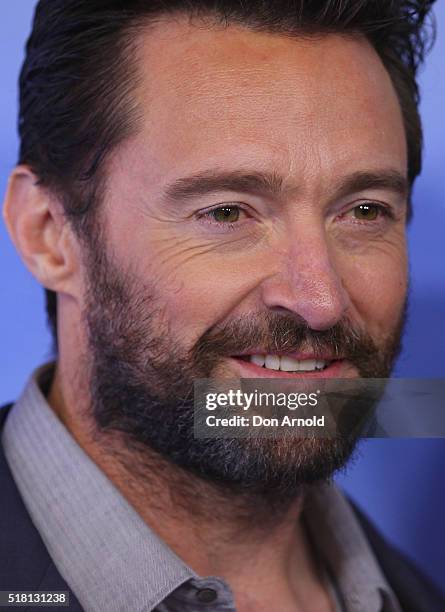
<point x="211" y="181"/>
<point x="388" y="180"/>
<point x="273" y="185"/>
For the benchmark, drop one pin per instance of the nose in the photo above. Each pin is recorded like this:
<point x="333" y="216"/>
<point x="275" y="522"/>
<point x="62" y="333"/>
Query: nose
<point x="305" y="281"/>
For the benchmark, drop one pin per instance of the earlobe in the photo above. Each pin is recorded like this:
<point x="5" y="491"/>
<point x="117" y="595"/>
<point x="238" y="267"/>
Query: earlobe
<point x="39" y="231"/>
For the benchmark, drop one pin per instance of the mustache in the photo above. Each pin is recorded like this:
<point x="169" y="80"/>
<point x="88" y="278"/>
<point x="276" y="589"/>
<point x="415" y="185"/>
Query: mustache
<point x="288" y="333"/>
<point x="284" y="333"/>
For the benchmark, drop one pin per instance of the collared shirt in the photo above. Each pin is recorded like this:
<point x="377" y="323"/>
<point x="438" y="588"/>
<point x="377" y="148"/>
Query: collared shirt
<point x="112" y="560"/>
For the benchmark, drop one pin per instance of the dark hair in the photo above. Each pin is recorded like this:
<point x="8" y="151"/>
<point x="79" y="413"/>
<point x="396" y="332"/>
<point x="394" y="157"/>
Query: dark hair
<point x="78" y="74"/>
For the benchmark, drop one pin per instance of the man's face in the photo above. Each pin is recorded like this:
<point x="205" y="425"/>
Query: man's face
<point x="260" y="210"/>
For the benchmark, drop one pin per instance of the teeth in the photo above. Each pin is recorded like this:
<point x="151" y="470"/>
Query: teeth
<point x="287" y="364"/>
<point x="307" y="365"/>
<point x="273" y="362"/>
<point x="258" y="360"/>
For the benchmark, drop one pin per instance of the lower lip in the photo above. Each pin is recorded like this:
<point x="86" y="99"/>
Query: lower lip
<point x="337" y="369"/>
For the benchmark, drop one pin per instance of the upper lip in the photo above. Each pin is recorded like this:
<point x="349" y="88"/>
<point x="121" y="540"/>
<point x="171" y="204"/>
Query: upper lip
<point x="324" y="356"/>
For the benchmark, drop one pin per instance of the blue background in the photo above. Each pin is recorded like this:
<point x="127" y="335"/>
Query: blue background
<point x="400" y="483"/>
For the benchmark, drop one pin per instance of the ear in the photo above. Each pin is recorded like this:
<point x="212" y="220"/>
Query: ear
<point x="40" y="232"/>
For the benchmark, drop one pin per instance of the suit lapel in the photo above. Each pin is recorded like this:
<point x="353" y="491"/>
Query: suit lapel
<point x="25" y="562"/>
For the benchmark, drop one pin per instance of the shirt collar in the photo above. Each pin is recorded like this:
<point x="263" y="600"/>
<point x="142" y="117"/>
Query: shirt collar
<point x="338" y="537"/>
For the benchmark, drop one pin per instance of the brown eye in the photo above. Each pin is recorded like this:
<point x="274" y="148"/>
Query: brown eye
<point x="228" y="214"/>
<point x="366" y="212"/>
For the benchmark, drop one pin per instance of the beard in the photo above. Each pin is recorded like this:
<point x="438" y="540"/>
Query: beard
<point x="141" y="385"/>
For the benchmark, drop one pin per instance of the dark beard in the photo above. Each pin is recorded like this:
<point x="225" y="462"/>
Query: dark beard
<point x="142" y="386"/>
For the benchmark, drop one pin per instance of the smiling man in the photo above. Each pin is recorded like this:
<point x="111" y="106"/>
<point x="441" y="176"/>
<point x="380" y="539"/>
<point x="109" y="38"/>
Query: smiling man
<point x="206" y="190"/>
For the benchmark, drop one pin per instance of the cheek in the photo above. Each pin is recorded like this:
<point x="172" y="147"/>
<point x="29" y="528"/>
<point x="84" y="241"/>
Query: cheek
<point x="199" y="286"/>
<point x="197" y="282"/>
<point x="377" y="286"/>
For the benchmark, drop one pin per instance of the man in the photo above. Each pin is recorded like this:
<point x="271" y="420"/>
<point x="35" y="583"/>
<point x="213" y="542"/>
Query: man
<point x="206" y="190"/>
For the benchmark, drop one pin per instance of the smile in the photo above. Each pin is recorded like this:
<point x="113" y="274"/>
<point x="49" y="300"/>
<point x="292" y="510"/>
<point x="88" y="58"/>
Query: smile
<point x="258" y="364"/>
<point x="284" y="363"/>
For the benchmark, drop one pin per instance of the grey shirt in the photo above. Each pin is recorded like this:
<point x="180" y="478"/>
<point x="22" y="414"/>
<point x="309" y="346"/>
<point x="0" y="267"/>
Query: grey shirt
<point x="112" y="560"/>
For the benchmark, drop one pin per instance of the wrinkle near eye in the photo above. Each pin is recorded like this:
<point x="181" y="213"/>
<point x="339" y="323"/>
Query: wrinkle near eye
<point x="181" y="252"/>
<point x="375" y="249"/>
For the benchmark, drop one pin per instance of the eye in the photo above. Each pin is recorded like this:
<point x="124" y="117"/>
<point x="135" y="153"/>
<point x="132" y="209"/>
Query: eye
<point x="368" y="211"/>
<point x="225" y="214"/>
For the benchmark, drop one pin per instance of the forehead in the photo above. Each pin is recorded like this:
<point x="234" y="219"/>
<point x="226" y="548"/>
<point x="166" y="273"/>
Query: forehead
<point x="221" y="95"/>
